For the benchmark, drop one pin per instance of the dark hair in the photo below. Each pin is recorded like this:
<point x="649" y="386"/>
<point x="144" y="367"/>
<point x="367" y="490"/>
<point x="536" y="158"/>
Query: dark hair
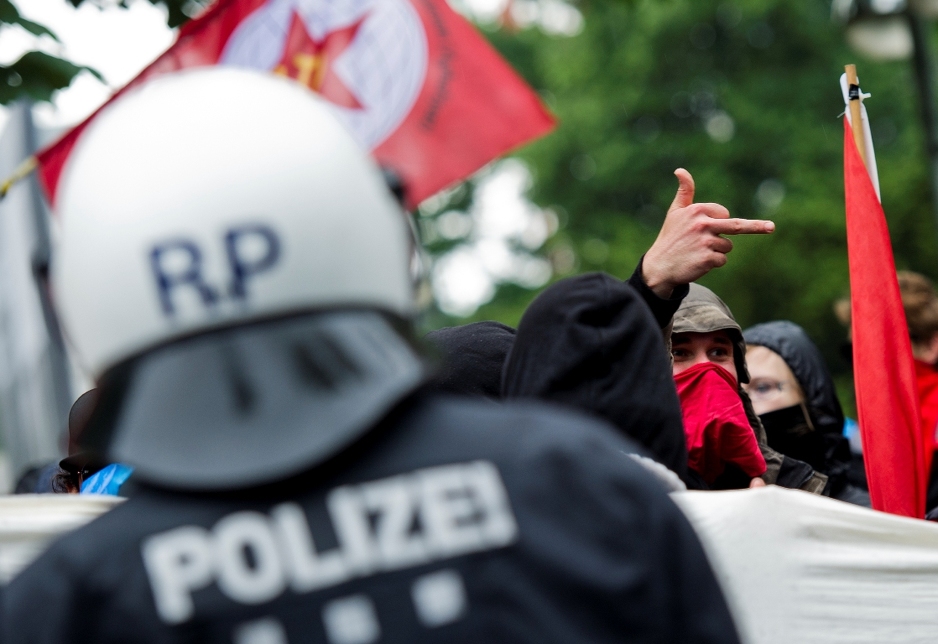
<point x="921" y="306"/>
<point x="65" y="482"/>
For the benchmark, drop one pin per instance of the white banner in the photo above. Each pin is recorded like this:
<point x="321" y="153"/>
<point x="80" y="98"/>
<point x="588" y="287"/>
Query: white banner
<point x="797" y="567"/>
<point x="29" y="522"/>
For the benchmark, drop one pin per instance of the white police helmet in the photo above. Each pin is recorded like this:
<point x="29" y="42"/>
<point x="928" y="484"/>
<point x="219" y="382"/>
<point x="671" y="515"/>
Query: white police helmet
<point x="201" y="202"/>
<point x="215" y="196"/>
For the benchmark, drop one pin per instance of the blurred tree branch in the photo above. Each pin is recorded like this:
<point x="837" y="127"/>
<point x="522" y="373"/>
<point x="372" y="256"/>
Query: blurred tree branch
<point x="178" y="11"/>
<point x="11" y="16"/>
<point x="36" y="75"/>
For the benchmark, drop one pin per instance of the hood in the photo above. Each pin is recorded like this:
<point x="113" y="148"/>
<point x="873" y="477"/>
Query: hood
<point x="591" y="342"/>
<point x="78" y="417"/>
<point x="703" y="312"/>
<point x="472" y="358"/>
<point x="802" y="356"/>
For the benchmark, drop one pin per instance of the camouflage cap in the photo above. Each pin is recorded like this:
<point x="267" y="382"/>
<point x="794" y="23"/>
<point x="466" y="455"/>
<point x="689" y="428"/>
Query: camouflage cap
<point x="703" y="312"/>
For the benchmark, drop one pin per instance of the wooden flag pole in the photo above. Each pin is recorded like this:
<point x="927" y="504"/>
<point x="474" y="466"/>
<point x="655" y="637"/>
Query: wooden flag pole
<point x="22" y="171"/>
<point x="856" y="122"/>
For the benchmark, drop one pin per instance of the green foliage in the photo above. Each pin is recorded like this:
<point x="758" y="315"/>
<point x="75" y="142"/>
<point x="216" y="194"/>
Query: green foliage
<point x="636" y="93"/>
<point x="743" y="94"/>
<point x="9" y="15"/>
<point x="177" y="11"/>
<point x="37" y="75"/>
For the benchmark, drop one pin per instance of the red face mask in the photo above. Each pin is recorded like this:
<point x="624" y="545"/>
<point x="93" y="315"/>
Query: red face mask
<point x="715" y="423"/>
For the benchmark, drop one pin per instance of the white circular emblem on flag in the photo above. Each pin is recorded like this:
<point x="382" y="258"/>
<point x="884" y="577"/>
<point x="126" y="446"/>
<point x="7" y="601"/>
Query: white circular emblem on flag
<point x="368" y="58"/>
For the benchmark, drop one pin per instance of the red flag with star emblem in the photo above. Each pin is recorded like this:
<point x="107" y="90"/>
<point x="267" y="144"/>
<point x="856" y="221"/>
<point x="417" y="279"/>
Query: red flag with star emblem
<point x="413" y="81"/>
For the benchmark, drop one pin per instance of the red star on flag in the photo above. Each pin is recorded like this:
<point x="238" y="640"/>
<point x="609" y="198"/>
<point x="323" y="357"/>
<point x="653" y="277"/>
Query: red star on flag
<point x="309" y="61"/>
<point x="470" y="106"/>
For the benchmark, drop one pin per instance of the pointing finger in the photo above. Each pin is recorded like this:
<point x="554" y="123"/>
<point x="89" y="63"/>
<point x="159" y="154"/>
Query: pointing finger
<point x="685" y="190"/>
<point x="741" y="227"/>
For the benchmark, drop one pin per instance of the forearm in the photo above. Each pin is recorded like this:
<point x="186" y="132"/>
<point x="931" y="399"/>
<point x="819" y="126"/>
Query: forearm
<point x="662" y="308"/>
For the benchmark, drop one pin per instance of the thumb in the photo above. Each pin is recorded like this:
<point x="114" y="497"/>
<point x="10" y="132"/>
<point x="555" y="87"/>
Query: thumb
<point x="685" y="190"/>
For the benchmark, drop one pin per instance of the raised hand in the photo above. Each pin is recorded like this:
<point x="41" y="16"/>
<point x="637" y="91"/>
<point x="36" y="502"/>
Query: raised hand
<point x="690" y="243"/>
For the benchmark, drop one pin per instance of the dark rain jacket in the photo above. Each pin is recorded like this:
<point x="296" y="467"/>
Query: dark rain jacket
<point x="822" y="446"/>
<point x="453" y="520"/>
<point x="591" y="343"/>
<point x="702" y="311"/>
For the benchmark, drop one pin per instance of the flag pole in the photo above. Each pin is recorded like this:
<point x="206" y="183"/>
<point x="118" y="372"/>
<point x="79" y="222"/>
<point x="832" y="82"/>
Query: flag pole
<point x="856" y="123"/>
<point x="22" y="171"/>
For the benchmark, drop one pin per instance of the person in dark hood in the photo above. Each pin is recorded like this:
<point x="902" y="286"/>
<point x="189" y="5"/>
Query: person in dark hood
<point x="80" y="464"/>
<point x="472" y="357"/>
<point x="66" y="475"/>
<point x="589" y="342"/>
<point x="704" y="330"/>
<point x="793" y="393"/>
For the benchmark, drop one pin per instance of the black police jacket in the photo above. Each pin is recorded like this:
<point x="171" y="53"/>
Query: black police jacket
<point x="452" y="521"/>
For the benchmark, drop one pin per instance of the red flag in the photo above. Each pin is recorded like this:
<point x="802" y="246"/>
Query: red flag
<point x="884" y="373"/>
<point x="414" y="82"/>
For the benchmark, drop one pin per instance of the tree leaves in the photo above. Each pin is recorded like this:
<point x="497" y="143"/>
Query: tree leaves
<point x="11" y="16"/>
<point x="745" y="95"/>
<point x="178" y="11"/>
<point x="37" y="75"/>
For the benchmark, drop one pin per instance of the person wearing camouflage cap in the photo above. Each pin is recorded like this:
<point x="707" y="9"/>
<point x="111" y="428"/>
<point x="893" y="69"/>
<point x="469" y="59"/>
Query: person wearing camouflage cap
<point x="704" y="329"/>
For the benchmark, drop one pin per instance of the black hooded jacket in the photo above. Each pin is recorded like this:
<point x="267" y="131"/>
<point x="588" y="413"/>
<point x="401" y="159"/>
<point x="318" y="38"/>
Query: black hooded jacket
<point x="789" y="340"/>
<point x="472" y="358"/>
<point x="590" y="342"/>
<point x="825" y="448"/>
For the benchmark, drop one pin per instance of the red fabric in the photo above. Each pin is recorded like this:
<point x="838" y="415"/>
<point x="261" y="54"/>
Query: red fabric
<point x="715" y="423"/>
<point x="927" y="377"/>
<point x="884" y="373"/>
<point x="471" y="108"/>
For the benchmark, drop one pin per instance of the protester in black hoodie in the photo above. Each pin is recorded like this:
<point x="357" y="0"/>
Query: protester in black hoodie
<point x="590" y="342"/>
<point x="799" y="409"/>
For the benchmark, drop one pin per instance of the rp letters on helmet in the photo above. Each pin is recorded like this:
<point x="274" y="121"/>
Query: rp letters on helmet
<point x="178" y="264"/>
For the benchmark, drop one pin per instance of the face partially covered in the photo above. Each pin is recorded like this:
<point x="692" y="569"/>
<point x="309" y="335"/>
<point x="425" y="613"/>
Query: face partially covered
<point x="772" y="385"/>
<point x="689" y="349"/>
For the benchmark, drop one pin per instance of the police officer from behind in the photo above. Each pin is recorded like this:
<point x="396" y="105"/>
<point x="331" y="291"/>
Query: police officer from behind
<point x="234" y="273"/>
